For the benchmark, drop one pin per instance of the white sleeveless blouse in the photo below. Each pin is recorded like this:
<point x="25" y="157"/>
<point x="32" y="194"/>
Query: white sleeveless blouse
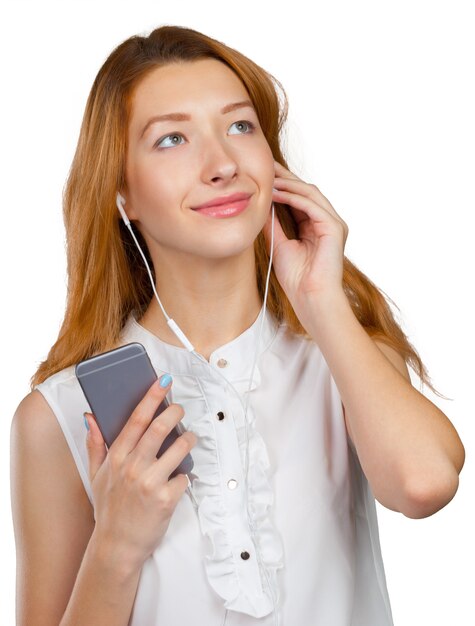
<point x="314" y="541"/>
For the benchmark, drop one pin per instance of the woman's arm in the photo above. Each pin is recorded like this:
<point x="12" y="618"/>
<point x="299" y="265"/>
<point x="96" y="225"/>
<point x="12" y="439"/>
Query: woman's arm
<point x="410" y="452"/>
<point x="64" y="573"/>
<point x="105" y="588"/>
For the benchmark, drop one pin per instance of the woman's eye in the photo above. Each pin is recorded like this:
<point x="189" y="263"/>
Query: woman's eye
<point x="241" y="122"/>
<point x="250" y="125"/>
<point x="160" y="141"/>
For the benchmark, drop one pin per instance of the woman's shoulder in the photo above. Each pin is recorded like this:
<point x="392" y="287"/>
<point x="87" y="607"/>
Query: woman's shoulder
<point x="55" y="407"/>
<point x="58" y="377"/>
<point x="62" y="392"/>
<point x="32" y="407"/>
<point x="34" y="421"/>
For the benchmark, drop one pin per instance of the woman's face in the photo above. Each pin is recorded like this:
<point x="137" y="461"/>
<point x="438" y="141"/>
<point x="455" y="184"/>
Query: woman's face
<point x="173" y="166"/>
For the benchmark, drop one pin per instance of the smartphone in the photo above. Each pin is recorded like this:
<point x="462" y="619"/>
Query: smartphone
<point x="114" y="382"/>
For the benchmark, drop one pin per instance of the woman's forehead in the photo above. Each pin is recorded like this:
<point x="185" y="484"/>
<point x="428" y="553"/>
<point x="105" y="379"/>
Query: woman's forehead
<point x="184" y="88"/>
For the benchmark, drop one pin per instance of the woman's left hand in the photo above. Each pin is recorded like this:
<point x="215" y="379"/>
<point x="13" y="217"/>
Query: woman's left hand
<point x="311" y="266"/>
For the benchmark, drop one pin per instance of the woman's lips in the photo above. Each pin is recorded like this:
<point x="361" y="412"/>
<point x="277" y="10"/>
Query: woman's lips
<point x="225" y="210"/>
<point x="230" y="198"/>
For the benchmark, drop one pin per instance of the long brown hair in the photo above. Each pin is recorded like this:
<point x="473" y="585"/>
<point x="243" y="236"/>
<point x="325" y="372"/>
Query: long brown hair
<point x="107" y="279"/>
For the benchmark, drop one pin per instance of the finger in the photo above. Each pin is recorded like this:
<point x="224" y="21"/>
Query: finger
<point x="309" y="216"/>
<point x="95" y="445"/>
<point x="139" y="420"/>
<point x="306" y="189"/>
<point x="171" y="458"/>
<point x="307" y="207"/>
<point x="156" y="434"/>
<point x="178" y="485"/>
<point x="283" y="172"/>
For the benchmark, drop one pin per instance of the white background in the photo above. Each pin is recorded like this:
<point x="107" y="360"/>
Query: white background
<point x="381" y="119"/>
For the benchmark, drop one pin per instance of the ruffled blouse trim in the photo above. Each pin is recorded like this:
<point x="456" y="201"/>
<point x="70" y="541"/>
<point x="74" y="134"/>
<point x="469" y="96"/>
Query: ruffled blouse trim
<point x="214" y="518"/>
<point x="212" y="514"/>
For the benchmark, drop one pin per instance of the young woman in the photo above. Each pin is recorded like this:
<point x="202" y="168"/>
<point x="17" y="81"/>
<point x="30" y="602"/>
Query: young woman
<point x="297" y="401"/>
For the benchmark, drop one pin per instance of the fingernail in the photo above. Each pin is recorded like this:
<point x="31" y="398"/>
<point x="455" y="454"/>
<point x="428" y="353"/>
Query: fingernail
<point x="85" y="421"/>
<point x="165" y="380"/>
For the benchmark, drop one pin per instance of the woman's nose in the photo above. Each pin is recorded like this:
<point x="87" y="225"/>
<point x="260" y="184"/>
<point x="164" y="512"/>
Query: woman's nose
<point x="219" y="163"/>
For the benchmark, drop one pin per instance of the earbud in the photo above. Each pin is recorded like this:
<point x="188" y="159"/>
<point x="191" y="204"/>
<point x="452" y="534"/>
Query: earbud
<point x="120" y="201"/>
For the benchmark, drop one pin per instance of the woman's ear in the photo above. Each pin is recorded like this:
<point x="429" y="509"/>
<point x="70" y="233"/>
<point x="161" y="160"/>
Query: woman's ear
<point x="122" y="198"/>
<point x="119" y="202"/>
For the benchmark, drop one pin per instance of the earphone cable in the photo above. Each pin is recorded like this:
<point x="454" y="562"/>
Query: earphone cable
<point x="182" y="337"/>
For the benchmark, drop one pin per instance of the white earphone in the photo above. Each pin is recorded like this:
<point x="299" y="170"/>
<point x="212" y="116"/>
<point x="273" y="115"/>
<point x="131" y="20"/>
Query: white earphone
<point x="120" y="201"/>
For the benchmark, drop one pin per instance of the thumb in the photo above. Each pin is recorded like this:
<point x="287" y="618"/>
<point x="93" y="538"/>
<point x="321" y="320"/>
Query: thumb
<point x="96" y="449"/>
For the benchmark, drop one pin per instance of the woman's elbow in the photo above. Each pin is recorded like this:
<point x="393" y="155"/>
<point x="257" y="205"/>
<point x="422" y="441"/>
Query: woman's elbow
<point x="426" y="498"/>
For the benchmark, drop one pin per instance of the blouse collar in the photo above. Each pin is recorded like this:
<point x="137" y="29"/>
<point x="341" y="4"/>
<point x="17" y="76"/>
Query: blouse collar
<point x="233" y="359"/>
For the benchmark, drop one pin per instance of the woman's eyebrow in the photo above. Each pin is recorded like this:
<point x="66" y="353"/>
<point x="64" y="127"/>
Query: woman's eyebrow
<point x="181" y="117"/>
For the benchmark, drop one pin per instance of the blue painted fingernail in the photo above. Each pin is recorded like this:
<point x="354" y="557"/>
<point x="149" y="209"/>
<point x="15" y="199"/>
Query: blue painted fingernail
<point x="85" y="421"/>
<point x="165" y="380"/>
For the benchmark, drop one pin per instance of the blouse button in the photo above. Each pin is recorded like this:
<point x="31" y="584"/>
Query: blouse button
<point x="220" y="415"/>
<point x="232" y="484"/>
<point x="222" y="363"/>
<point x="245" y="556"/>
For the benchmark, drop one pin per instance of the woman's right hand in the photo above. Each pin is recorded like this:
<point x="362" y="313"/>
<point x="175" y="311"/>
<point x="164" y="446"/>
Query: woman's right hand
<point x="133" y="498"/>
